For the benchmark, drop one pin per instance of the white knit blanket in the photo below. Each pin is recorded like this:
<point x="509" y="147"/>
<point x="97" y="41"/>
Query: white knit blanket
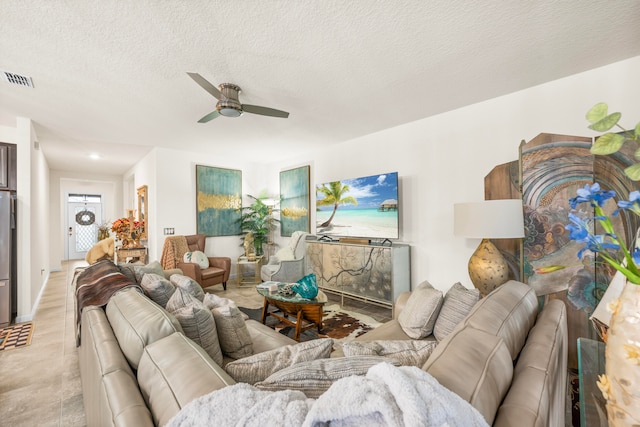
<point x="387" y="396"/>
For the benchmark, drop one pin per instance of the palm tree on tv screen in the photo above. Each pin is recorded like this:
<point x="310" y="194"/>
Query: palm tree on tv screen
<point x="334" y="195"/>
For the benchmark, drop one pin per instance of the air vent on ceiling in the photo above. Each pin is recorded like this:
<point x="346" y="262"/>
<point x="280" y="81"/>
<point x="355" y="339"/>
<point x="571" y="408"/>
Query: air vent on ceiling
<point x="16" y="79"/>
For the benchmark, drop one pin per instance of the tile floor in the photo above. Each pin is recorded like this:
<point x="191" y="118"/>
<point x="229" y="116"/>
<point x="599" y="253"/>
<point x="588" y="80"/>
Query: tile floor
<point x="40" y="384"/>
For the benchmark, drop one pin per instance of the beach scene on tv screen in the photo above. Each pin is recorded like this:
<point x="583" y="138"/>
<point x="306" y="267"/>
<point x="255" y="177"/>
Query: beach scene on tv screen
<point x="361" y="207"/>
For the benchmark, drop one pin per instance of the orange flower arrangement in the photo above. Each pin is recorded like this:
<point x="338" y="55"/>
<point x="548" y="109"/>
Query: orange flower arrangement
<point x="125" y="226"/>
<point x="121" y="225"/>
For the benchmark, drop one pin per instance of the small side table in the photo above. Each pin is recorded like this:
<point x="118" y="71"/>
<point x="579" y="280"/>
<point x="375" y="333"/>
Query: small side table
<point x="136" y="254"/>
<point x="243" y="264"/>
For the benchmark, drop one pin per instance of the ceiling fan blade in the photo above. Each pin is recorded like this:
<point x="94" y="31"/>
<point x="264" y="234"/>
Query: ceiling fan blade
<point x="206" y="85"/>
<point x="209" y="117"/>
<point x="256" y="109"/>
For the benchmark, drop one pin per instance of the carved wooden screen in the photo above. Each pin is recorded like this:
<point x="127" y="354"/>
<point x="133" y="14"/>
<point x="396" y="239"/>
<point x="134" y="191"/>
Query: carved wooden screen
<point x="552" y="168"/>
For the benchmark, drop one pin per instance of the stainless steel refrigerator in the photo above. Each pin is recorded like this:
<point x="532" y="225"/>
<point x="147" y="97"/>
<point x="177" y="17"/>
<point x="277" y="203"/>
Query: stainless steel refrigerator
<point x="7" y="257"/>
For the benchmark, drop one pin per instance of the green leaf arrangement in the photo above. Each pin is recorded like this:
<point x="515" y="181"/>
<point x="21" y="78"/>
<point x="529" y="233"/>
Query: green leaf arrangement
<point x="610" y="142"/>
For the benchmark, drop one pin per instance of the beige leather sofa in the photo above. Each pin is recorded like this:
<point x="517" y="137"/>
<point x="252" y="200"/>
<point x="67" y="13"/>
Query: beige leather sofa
<point x="507" y="358"/>
<point x="509" y="361"/>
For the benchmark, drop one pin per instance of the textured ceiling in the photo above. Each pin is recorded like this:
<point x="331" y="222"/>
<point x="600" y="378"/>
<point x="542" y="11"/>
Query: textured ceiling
<point x="113" y="73"/>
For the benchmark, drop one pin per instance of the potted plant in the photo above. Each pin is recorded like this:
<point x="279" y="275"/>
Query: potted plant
<point x="257" y="219"/>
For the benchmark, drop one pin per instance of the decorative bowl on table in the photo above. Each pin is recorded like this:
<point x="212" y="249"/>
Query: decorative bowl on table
<point x="286" y="290"/>
<point x="307" y="287"/>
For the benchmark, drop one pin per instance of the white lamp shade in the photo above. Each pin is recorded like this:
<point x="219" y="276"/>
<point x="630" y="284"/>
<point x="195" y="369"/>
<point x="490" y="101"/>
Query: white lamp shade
<point x="491" y="219"/>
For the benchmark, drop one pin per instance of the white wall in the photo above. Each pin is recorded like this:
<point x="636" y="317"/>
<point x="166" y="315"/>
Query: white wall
<point x="32" y="216"/>
<point x="8" y="134"/>
<point x="443" y="160"/>
<point x="40" y="221"/>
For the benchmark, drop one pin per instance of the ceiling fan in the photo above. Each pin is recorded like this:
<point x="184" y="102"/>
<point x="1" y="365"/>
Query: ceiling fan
<point x="228" y="104"/>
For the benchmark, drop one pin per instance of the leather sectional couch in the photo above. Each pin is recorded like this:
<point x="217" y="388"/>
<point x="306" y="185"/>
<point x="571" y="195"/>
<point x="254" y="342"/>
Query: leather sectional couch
<point x="506" y="359"/>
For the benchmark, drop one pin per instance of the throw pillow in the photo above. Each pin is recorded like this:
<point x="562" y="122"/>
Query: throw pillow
<point x="258" y="367"/>
<point x="235" y="339"/>
<point x="212" y="301"/>
<point x="188" y="284"/>
<point x="295" y="239"/>
<point x="181" y="298"/>
<point x="197" y="257"/>
<point x="406" y="352"/>
<point x="421" y="311"/>
<point x="285" y="254"/>
<point x="314" y="377"/>
<point x="458" y="302"/>
<point x="196" y="325"/>
<point x="153" y="267"/>
<point x="157" y="288"/>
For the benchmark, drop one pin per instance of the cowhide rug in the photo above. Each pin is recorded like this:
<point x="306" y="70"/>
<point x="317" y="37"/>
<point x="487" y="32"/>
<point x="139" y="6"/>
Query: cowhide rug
<point x="340" y="324"/>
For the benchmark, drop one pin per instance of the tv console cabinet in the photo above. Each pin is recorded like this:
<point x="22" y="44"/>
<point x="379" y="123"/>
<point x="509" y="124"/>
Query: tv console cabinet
<point x="372" y="273"/>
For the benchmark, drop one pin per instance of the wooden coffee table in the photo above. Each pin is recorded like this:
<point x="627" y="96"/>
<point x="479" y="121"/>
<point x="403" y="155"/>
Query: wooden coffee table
<point x="306" y="312"/>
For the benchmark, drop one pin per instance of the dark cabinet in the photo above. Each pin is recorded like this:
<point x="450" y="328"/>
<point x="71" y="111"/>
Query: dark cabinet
<point x="7" y="166"/>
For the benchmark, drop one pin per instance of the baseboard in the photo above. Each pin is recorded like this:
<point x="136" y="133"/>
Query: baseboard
<point x="22" y="319"/>
<point x="29" y="317"/>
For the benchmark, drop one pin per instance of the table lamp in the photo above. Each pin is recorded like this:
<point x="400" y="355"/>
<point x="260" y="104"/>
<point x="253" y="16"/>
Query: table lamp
<point x="490" y="219"/>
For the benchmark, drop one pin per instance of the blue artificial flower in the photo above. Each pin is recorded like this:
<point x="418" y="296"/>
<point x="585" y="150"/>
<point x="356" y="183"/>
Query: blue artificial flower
<point x="579" y="230"/>
<point x="596" y="244"/>
<point x="633" y="204"/>
<point x="591" y="194"/>
<point x="608" y="247"/>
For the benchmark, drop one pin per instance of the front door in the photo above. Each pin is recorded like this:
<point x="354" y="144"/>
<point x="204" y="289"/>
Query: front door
<point x="82" y="229"/>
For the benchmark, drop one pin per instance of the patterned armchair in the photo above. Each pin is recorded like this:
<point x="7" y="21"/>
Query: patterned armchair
<point x="288" y="264"/>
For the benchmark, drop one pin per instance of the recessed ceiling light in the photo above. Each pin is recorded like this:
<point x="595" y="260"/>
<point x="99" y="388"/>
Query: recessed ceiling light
<point x="94" y="156"/>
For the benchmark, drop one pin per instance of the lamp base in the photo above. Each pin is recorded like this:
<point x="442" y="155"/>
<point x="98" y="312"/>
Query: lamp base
<point x="487" y="268"/>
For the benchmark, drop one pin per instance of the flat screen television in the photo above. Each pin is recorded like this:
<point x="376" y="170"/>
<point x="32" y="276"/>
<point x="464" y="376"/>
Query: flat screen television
<point x="365" y="207"/>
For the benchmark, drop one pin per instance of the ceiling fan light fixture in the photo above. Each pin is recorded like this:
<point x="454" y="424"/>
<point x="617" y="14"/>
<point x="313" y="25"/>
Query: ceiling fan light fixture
<point x="228" y="103"/>
<point x="228" y="110"/>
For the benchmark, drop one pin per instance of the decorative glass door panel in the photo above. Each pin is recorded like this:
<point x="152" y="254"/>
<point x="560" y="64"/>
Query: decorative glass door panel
<point x="84" y="217"/>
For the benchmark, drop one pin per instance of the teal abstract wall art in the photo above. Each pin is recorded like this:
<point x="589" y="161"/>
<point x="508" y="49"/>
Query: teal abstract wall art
<point x="294" y="201"/>
<point x="218" y="201"/>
